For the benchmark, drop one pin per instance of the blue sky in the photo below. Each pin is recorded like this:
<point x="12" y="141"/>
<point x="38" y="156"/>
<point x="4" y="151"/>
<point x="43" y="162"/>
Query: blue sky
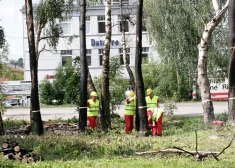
<point x="11" y="20"/>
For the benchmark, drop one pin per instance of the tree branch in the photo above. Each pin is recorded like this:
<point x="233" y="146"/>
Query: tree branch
<point x="203" y="21"/>
<point x="220" y="14"/>
<point x="184" y="151"/>
<point x="216" y="6"/>
<point x="47" y="37"/>
<point x="226" y="147"/>
<point x="44" y="46"/>
<point x="178" y="151"/>
<point x="51" y="51"/>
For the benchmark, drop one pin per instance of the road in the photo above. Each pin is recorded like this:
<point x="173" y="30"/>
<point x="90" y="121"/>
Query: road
<point x="188" y="109"/>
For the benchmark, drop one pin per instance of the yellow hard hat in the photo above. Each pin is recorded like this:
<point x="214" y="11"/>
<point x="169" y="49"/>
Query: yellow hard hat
<point x="149" y="91"/>
<point x="94" y="94"/>
<point x="132" y="94"/>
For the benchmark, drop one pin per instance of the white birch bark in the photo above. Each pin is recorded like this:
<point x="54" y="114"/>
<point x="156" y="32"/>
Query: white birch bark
<point x="203" y="80"/>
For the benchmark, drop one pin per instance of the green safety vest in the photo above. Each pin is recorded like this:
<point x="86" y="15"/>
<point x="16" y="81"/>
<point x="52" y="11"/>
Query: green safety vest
<point x="151" y="103"/>
<point x="93" y="109"/>
<point x="130" y="108"/>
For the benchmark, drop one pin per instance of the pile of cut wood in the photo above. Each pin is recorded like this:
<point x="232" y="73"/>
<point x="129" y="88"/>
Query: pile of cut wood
<point x="13" y="151"/>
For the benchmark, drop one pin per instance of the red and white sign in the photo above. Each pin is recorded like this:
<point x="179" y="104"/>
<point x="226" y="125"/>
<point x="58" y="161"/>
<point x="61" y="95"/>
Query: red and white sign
<point x="50" y="76"/>
<point x="219" y="91"/>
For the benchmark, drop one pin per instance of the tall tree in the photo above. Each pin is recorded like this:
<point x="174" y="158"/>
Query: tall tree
<point x="35" y="114"/>
<point x="84" y="70"/>
<point x="20" y="62"/>
<point x="231" y="65"/>
<point x="49" y="14"/>
<point x="2" y="37"/>
<point x="142" y="108"/>
<point x="2" y="110"/>
<point x="203" y="79"/>
<point x="124" y="18"/>
<point x="172" y="31"/>
<point x="105" y="112"/>
<point x="3" y="58"/>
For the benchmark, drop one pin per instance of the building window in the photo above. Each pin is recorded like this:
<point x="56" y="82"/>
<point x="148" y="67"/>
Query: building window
<point x="125" y="22"/>
<point x="66" y="27"/>
<point x="118" y="1"/>
<point x="145" y="53"/>
<point x="66" y="54"/>
<point x="101" y="56"/>
<point x="127" y="55"/>
<point x="101" y="24"/>
<point x="88" y="57"/>
<point x="88" y="25"/>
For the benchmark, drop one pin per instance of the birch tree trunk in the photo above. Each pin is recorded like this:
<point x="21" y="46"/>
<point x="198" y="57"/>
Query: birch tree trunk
<point x="35" y="114"/>
<point x="84" y="71"/>
<point x="105" y="112"/>
<point x="144" y="129"/>
<point x="203" y="80"/>
<point x="231" y="66"/>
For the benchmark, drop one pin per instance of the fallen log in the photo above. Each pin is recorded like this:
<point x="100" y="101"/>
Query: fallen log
<point x="177" y="151"/>
<point x="7" y="150"/>
<point x="9" y="156"/>
<point x="5" y="145"/>
<point x="198" y="155"/>
<point x="17" y="148"/>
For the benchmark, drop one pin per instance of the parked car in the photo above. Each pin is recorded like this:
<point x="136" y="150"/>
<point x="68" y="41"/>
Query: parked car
<point x="12" y="102"/>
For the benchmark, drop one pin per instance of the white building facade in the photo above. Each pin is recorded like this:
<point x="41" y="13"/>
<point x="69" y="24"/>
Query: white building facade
<point x="50" y="59"/>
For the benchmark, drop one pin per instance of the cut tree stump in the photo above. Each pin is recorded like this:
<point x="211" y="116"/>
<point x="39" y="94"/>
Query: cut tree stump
<point x="5" y="145"/>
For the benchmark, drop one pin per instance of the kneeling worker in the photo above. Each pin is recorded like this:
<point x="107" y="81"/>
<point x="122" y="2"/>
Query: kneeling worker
<point x="153" y="110"/>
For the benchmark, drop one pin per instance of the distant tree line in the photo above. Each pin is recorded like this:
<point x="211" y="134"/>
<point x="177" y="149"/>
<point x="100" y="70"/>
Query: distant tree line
<point x="19" y="62"/>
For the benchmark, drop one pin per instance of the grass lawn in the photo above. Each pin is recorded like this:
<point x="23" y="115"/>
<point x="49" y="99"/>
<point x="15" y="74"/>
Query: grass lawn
<point x="115" y="149"/>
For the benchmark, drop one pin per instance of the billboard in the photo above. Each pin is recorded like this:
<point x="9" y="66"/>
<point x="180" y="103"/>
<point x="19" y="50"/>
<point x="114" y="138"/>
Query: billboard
<point x="219" y="90"/>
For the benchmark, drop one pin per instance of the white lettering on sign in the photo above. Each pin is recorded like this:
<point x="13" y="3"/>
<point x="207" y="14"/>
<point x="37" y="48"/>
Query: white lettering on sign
<point x="99" y="43"/>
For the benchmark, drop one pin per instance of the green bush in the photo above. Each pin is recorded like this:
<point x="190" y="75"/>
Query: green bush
<point x="46" y="92"/>
<point x="65" y="87"/>
<point x="170" y="108"/>
<point x="222" y="117"/>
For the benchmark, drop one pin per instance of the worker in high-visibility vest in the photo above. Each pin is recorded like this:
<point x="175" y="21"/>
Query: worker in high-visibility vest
<point x="93" y="110"/>
<point x="130" y="110"/>
<point x="154" y="113"/>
